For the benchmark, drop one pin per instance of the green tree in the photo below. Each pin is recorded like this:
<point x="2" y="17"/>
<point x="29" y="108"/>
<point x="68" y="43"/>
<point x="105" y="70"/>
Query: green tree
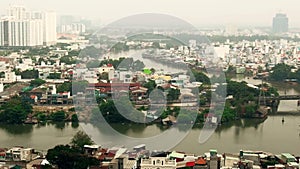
<point x="2" y="74"/>
<point x="259" y="69"/>
<point x="37" y="82"/>
<point x="66" y="157"/>
<point x="114" y="62"/>
<point x="90" y="51"/>
<point x="58" y="116"/>
<point x="74" y="118"/>
<point x="54" y="76"/>
<point x="80" y="139"/>
<point x="65" y="87"/>
<point x="69" y="60"/>
<point x="250" y="109"/>
<point x="201" y="77"/>
<point x="297" y="75"/>
<point x="15" y="111"/>
<point x="30" y="74"/>
<point x="229" y="114"/>
<point x="280" y="72"/>
<point x="153" y="70"/>
<point x="173" y="94"/>
<point x="150" y="85"/>
<point x="41" y="117"/>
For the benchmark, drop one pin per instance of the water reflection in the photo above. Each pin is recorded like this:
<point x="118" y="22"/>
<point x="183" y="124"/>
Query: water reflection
<point x="240" y="124"/>
<point x="75" y="125"/>
<point x="60" y="125"/>
<point x="15" y="129"/>
<point x="41" y="125"/>
<point x="142" y="130"/>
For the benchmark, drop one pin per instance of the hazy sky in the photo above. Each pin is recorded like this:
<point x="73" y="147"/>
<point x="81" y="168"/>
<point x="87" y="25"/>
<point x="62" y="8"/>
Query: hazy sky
<point x="197" y="12"/>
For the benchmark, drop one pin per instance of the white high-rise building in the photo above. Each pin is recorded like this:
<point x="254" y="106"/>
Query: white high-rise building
<point x="23" y="28"/>
<point x="13" y="32"/>
<point x="18" y="12"/>
<point x="35" y="32"/>
<point x="21" y="32"/>
<point x="75" y="28"/>
<point x="50" y="35"/>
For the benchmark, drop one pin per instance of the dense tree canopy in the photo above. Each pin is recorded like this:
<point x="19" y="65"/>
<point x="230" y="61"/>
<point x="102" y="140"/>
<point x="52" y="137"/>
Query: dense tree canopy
<point x="54" y="76"/>
<point x="59" y="116"/>
<point x="15" y="111"/>
<point x="69" y="60"/>
<point x="114" y="62"/>
<point x="30" y="74"/>
<point x="239" y="90"/>
<point x="73" y="87"/>
<point x="80" y="139"/>
<point x="150" y="85"/>
<point x="173" y="94"/>
<point x="37" y="82"/>
<point x="201" y="77"/>
<point x="66" y="157"/>
<point x="280" y="72"/>
<point x="91" y="51"/>
<point x="65" y="87"/>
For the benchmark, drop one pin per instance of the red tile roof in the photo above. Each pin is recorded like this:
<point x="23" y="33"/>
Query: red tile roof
<point x="201" y="161"/>
<point x="190" y="164"/>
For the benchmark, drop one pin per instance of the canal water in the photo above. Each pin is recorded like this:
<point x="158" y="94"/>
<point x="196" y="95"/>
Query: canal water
<point x="270" y="135"/>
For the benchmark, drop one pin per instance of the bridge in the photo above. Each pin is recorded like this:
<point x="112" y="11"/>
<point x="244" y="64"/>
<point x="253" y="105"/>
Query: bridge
<point x="284" y="97"/>
<point x="274" y="101"/>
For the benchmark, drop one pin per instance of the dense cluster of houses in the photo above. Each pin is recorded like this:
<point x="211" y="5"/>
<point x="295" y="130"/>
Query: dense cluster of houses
<point x="140" y="157"/>
<point x="256" y="57"/>
<point x="19" y="157"/>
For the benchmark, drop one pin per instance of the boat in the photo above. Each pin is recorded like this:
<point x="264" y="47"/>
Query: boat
<point x="170" y="120"/>
<point x="262" y="112"/>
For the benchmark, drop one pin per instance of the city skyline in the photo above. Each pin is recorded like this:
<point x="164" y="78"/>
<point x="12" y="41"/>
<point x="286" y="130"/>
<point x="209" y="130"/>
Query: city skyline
<point x="199" y="13"/>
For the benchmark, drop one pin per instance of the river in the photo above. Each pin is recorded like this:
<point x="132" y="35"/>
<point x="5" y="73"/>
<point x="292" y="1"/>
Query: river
<point x="270" y="135"/>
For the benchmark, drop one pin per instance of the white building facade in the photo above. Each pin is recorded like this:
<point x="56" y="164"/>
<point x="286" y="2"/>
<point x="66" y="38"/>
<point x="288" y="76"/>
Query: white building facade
<point x="22" y="28"/>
